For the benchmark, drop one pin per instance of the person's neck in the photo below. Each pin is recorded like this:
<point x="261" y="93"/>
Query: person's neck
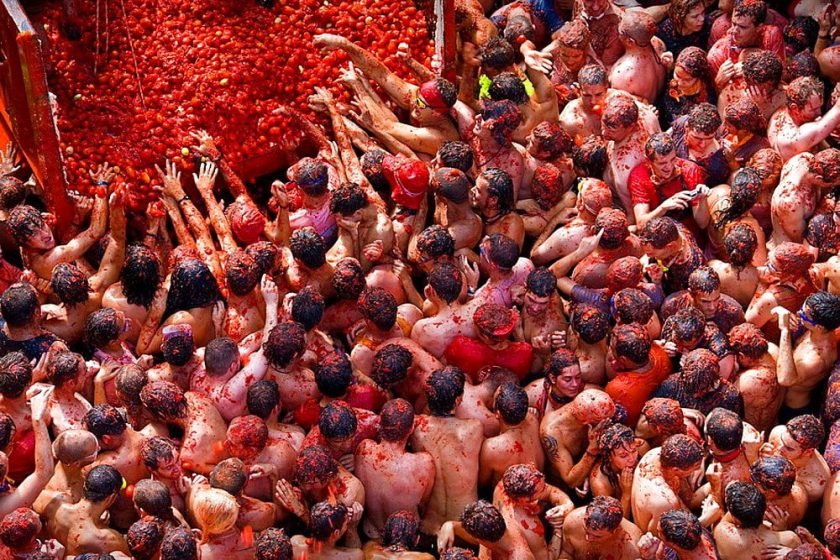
<point x="315" y="202"/>
<point x="723" y="457"/>
<point x="23" y="333"/>
<point x="498" y="275"/>
<point x="93" y="510"/>
<point x="630" y="136"/>
<point x="820" y="335"/>
<point x="488" y="143"/>
<point x="395" y="447"/>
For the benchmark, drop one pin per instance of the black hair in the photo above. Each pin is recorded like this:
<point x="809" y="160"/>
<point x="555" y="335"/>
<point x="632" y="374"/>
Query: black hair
<point x="401" y="530"/>
<point x="164" y="399"/>
<point x="15" y="374"/>
<point x="263" y="397"/>
<point x="312" y="176"/>
<point x="69" y="284"/>
<point x="746" y="503"/>
<point x="348" y="279"/>
<point x="378" y="306"/>
<point x="273" y="544"/>
<point x="682" y="528"/>
<point x="285" y="341"/>
<point x="725" y="428"/>
<point x="592" y="75"/>
<point x="521" y="481"/>
<point x="704" y="280"/>
<point x="371" y="162"/>
<point x="308" y="247"/>
<point x="659" y="232"/>
<point x="603" y="512"/>
<point x="483" y="521"/>
<point x="743" y="194"/>
<point x="511" y="404"/>
<point x="144" y="538"/>
<point x="219" y="354"/>
<point x="632" y="342"/>
<point x="508" y="85"/>
<point x="315" y="465"/>
<point x="502" y="251"/>
<point x="7" y="430"/>
<point x="659" y="144"/>
<point x="590" y="157"/>
<point x="451" y="184"/>
<point x="12" y="192"/>
<point x="755" y="9"/>
<point x="396" y="420"/>
<point x="179" y="544"/>
<point x="443" y="388"/>
<point x="101" y="327"/>
<point x="500" y="186"/>
<point x="541" y="282"/>
<point x="19" y="528"/>
<point x="590" y="323"/>
<point x="155" y="450"/>
<point x="806" y="430"/>
<point x="229" y="475"/>
<point x="435" y="241"/>
<point x="152" y="496"/>
<point x="102" y="482"/>
<point x="337" y="421"/>
<point x="325" y="518"/>
<point x="140" y="275"/>
<point x="347" y="199"/>
<point x="446" y="280"/>
<point x="632" y="306"/>
<point x="308" y="307"/>
<point x="685" y="325"/>
<point x="824" y="309"/>
<point x="680" y="451"/>
<point x="390" y="365"/>
<point x="241" y="272"/>
<point x="192" y="285"/>
<point x="334" y="374"/>
<point x="774" y="473"/>
<point x="497" y="53"/>
<point x="456" y="154"/>
<point x="24" y="221"/>
<point x="740" y="243"/>
<point x="105" y="420"/>
<point x="19" y="304"/>
<point x="178" y="348"/>
<point x="64" y="367"/>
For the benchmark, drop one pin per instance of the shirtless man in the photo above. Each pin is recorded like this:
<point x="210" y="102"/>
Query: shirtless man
<point x="562" y="383"/>
<point x="827" y="275"/>
<point x="757" y="376"/>
<point x="454" y="445"/>
<point x="626" y="148"/>
<point x="776" y="478"/>
<point x="664" y="480"/>
<point x="803" y="367"/>
<point x="399" y="537"/>
<point x="328" y="523"/>
<point x="382" y="320"/>
<point x="641" y="69"/>
<point x="73" y="450"/>
<point x="266" y="460"/>
<point x="794" y="128"/>
<point x="805" y="178"/>
<point x="133" y="294"/>
<point x="161" y="456"/>
<point x="519" y="497"/>
<point x="453" y="210"/>
<point x="573" y="429"/>
<point x="599" y="531"/>
<point x="494" y="196"/>
<point x="68" y="372"/>
<point x="797" y="441"/>
<point x="306" y="261"/>
<point x="201" y="423"/>
<point x="452" y="318"/>
<point x="482" y="523"/>
<point x="724" y="436"/>
<point x="80" y="525"/>
<point x="542" y="322"/>
<point x="681" y="532"/>
<point x="395" y="479"/>
<point x="738" y="276"/>
<point x="490" y="133"/>
<point x="518" y="440"/>
<point x="742" y="534"/>
<point x="507" y="270"/>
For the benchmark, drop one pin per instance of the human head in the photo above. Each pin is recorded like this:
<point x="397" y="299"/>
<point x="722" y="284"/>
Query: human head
<point x="497" y="55"/>
<point x="19" y="305"/>
<point x="104" y="326"/>
<point x="804" y="434"/>
<point x="685" y="328"/>
<point x="593" y="196"/>
<point x="179" y="544"/>
<point x="743" y="117"/>
<point x="801" y="64"/>
<point x="700" y="371"/>
<point x="724" y="430"/>
<point x="12" y="192"/>
<point x="107" y="423"/>
<point x="821" y="309"/>
<point x="308" y="307"/>
<point x="618" y="446"/>
<point x="311" y="175"/>
<point x="499" y="119"/>
<point x="687" y="15"/>
<point x="286" y="341"/>
<point x="748" y="342"/>
<point x="547" y="186"/>
<point x="396" y="421"/>
<point x="636" y="29"/>
<point x="215" y="513"/>
<point x="378" y="307"/>
<point x="804" y="98"/>
<point x="493" y="190"/>
<point x="590" y="323"/>
<point x="152" y="498"/>
<point x="371" y="162"/>
<point x="701" y="126"/>
<point x="626" y="272"/>
<point x="775" y="475"/>
<point x="160" y="455"/>
<point x="630" y="345"/>
<point x="590" y="157"/>
<point x="681" y="453"/>
<point x="562" y="371"/>
<point x="508" y="85"/>
<point x="65" y="368"/>
<point x="337" y="423"/>
<point x="660" y="237"/>
<point x="790" y="260"/>
<point x="518" y="29"/>
<point x="455" y="154"/>
<point x="483" y="521"/>
<point x="242" y="273"/>
<point x="178" y="347"/>
<point x="165" y="400"/>
<point x="762" y="69"/>
<point x="632" y="306"/>
<point x="348" y="279"/>
<point x="315" y="467"/>
<point x="19" y="528"/>
<point x="192" y="285"/>
<point x="824" y="169"/>
<point x="680" y="528"/>
<point x="499" y="251"/>
<point x="444" y="389"/>
<point x="75" y="447"/>
<point x="221" y="355"/>
<point x="619" y="118"/>
<point x="69" y="284"/>
<point x="334" y="374"/>
<point x="601" y="518"/>
<point x="747" y="16"/>
<point x="691" y="69"/>
<point x="451" y="184"/>
<point x="434" y="100"/>
<point x="494" y="322"/>
<point x="265" y="255"/>
<point x="328" y="521"/>
<point x="593" y="88"/>
<point x="592" y="406"/>
<point x="391" y="365"/>
<point x="665" y="416"/>
<point x="523" y="482"/>
<point x="548" y="141"/>
<point x="401" y="531"/>
<point x="446" y="282"/>
<point x="15" y="374"/>
<point x="832" y="536"/>
<point x="740" y="243"/>
<point x="435" y="243"/>
<point x="540" y="286"/>
<point x="102" y="484"/>
<point x="273" y="544"/>
<point x="511" y="404"/>
<point x="264" y="397"/>
<point x="348" y="200"/>
<point x="29" y="229"/>
<point x="767" y="162"/>
<point x="308" y="247"/>
<point x="246" y="437"/>
<point x="144" y="538"/>
<point x="229" y="475"/>
<point x="745" y="503"/>
<point x="704" y="287"/>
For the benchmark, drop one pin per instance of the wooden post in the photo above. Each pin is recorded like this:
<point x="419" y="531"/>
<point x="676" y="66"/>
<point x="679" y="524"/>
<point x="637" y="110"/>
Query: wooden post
<point x="446" y="37"/>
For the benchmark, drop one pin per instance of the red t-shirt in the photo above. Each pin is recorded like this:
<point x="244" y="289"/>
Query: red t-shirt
<point x="9" y="274"/>
<point x="770" y="40"/>
<point x="643" y="191"/>
<point x="632" y="389"/>
<point x="471" y="355"/>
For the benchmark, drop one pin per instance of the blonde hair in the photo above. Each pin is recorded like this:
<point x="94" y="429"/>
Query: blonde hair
<point x="215" y="512"/>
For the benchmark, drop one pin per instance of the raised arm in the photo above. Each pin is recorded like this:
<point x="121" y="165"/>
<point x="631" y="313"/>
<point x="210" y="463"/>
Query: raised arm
<point x="398" y="89"/>
<point x="204" y="181"/>
<point x="114" y="257"/>
<point x="812" y="133"/>
<point x="785" y="364"/>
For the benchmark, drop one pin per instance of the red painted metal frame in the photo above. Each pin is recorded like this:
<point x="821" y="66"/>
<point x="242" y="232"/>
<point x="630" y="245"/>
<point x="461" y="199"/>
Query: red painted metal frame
<point x="26" y="110"/>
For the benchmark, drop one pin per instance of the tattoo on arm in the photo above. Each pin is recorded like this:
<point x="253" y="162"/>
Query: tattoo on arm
<point x="549" y="443"/>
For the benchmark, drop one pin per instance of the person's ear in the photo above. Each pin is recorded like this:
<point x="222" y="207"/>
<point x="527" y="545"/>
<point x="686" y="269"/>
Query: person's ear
<point x="427" y="292"/>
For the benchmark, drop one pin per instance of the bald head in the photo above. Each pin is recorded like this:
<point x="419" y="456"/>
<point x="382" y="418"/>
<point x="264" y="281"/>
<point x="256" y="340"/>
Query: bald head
<point x="638" y="26"/>
<point x="591" y="406"/>
<point x="72" y="446"/>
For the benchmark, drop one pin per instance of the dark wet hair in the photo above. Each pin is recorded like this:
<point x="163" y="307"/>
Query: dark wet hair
<point x="15" y="374"/>
<point x="273" y="544"/>
<point x="315" y="465"/>
<point x="265" y="254"/>
<point x="443" y="388"/>
<point x="559" y="360"/>
<point x="249" y="432"/>
<point x="179" y="544"/>
<point x="590" y="323"/>
<point x="102" y="482"/>
<point x="497" y="53"/>
<point x="130" y="381"/>
<point x="101" y="327"/>
<point x="821" y="234"/>
<point x="312" y="176"/>
<point x="401" y="530"/>
<point x="285" y="342"/>
<point x="740" y="243"/>
<point x="774" y="473"/>
<point x="308" y="307"/>
<point x="521" y="481"/>
<point x="24" y="221"/>
<point x="333" y="374"/>
<point x="371" y="162"/>
<point x="157" y="449"/>
<point x="755" y="9"/>
<point x="164" y="399"/>
<point x="219" y="354"/>
<point x="446" y="280"/>
<point x="178" y="348"/>
<point x="541" y="282"/>
<point x="613" y="223"/>
<point x="435" y="241"/>
<point x="632" y="306"/>
<point x="325" y="518"/>
<point x="748" y="340"/>
<point x="105" y="420"/>
<point x="614" y="437"/>
<point x="603" y="513"/>
<point x="682" y="528"/>
<point x="704" y="280"/>
<point x="457" y="553"/>
<point x="396" y="421"/>
<point x="348" y="279"/>
<point x="378" y="306"/>
<point x="800" y="90"/>
<point x="140" y="275"/>
<point x="502" y="251"/>
<point x="503" y="117"/>
<point x="7" y="430"/>
<point x="512" y="404"/>
<point x="337" y="421"/>
<point x="806" y="430"/>
<point x="700" y="370"/>
<point x="832" y="536"/>
<point x="680" y="451"/>
<point x="263" y="397"/>
<point x="803" y="63"/>
<point x="456" y="154"/>
<point x="592" y="75"/>
<point x="762" y="67"/>
<point x="242" y="273"/>
<point x="483" y="521"/>
<point x="451" y="184"/>
<point x="390" y="365"/>
<point x="746" y="503"/>
<point x="659" y="232"/>
<point x="152" y="496"/>
<point x="508" y="85"/>
<point x="518" y="27"/>
<point x="64" y="367"/>
<point x="725" y="428"/>
<point x="19" y="528"/>
<point x="744" y="114"/>
<point x="12" y="192"/>
<point x="659" y="144"/>
<point x="684" y="325"/>
<point x="229" y="475"/>
<point x="621" y="112"/>
<point x="590" y="157"/>
<point x="551" y="138"/>
<point x="824" y="309"/>
<point x="19" y="304"/>
<point x="144" y="538"/>
<point x="665" y="415"/>
<point x="69" y="284"/>
<point x="308" y="247"/>
<point x="192" y="285"/>
<point x="500" y="186"/>
<point x="632" y="342"/>
<point x="801" y="33"/>
<point x="347" y="199"/>
<point x="743" y="194"/>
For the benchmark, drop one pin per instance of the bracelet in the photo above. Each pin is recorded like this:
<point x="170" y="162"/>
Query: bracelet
<point x="470" y="291"/>
<point x="183" y="198"/>
<point x="102" y="183"/>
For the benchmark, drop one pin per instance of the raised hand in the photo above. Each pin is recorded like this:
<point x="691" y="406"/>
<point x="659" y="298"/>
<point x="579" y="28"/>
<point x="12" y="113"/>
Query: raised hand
<point x="7" y="160"/>
<point x="103" y="175"/>
<point x="205" y="146"/>
<point x="171" y="179"/>
<point x="206" y="177"/>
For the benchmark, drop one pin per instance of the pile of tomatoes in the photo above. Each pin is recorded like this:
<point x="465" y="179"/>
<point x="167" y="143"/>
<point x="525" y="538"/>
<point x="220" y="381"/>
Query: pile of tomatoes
<point x="132" y="88"/>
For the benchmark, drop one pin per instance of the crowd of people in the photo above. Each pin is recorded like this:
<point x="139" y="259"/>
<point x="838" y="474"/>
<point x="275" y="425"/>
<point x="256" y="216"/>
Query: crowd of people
<point x="582" y="303"/>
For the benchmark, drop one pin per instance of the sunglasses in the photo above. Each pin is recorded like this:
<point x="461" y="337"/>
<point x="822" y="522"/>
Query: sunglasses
<point x="805" y="319"/>
<point x="420" y="102"/>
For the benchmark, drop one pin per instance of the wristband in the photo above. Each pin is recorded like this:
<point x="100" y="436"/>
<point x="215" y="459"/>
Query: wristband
<point x="183" y="198"/>
<point x="102" y="183"/>
<point x="470" y="291"/>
